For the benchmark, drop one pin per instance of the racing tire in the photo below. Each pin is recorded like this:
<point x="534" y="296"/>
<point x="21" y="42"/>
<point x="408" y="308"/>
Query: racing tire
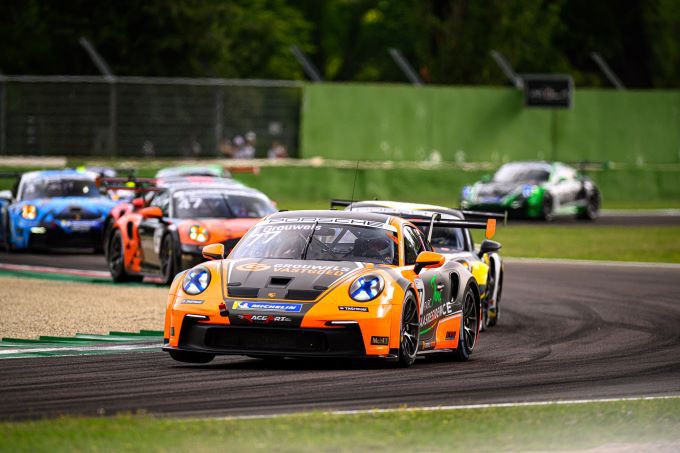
<point x="592" y="208"/>
<point x="191" y="357"/>
<point x="490" y="288"/>
<point x="547" y="208"/>
<point x="168" y="259"/>
<point x="469" y="324"/>
<point x="116" y="260"/>
<point x="409" y="332"/>
<point x="493" y="320"/>
<point x="106" y="235"/>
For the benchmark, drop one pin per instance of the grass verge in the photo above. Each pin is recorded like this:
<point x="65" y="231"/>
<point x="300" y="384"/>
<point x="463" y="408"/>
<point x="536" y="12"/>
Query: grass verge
<point x="650" y="244"/>
<point x="640" y="424"/>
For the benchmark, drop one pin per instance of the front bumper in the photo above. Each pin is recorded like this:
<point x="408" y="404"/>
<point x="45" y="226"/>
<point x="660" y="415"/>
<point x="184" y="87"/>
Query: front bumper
<point x="515" y="210"/>
<point x="51" y="235"/>
<point x="342" y="341"/>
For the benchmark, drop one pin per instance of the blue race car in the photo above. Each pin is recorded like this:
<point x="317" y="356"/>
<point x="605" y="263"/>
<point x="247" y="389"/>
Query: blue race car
<point x="53" y="209"/>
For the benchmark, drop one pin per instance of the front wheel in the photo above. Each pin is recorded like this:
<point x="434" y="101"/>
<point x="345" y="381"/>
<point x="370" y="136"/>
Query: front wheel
<point x="116" y="260"/>
<point x="191" y="357"/>
<point x="409" y="332"/>
<point x="168" y="260"/>
<point x="592" y="208"/>
<point x="469" y="327"/>
<point x="547" y="208"/>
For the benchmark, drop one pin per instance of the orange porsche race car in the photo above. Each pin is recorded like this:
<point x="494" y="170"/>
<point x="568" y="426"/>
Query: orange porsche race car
<point x="167" y="236"/>
<point x="325" y="284"/>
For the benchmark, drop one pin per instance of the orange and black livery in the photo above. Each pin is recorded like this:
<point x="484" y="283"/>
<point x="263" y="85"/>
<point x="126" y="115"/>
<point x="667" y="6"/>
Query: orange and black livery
<point x="166" y="234"/>
<point x="324" y="284"/>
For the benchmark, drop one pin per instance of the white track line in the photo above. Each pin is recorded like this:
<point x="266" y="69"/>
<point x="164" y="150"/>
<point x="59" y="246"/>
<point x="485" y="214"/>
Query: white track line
<point x="640" y="212"/>
<point x="446" y="408"/>
<point x="603" y="263"/>
<point x="84" y="349"/>
<point x="54" y="270"/>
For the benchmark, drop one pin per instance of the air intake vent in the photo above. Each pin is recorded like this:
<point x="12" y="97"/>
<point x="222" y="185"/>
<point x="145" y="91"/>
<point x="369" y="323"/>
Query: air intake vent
<point x="242" y="292"/>
<point x="279" y="282"/>
<point x="302" y="294"/>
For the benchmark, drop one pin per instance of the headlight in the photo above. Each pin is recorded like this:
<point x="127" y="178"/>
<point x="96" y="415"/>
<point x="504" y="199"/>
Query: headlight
<point x="29" y="212"/>
<point x="196" y="280"/>
<point x="198" y="233"/>
<point x="366" y="288"/>
<point x="528" y="190"/>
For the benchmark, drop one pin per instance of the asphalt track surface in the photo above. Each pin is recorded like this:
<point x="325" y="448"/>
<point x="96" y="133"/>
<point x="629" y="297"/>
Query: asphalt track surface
<point x="566" y="332"/>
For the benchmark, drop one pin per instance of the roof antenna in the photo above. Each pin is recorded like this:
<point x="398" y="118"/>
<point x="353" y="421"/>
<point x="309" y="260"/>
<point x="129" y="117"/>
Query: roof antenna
<point x="354" y="185"/>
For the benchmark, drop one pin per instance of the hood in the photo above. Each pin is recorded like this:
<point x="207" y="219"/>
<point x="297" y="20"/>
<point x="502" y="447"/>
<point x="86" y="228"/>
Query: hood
<point x="85" y="208"/>
<point x="496" y="189"/>
<point x="275" y="279"/>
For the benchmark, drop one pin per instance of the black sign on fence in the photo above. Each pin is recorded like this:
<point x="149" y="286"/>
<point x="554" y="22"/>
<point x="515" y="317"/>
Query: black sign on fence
<point x="548" y="90"/>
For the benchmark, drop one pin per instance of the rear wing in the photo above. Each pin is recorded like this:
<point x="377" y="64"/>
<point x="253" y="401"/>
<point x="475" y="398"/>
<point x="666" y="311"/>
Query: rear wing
<point x="337" y="203"/>
<point x="435" y="221"/>
<point x="487" y="215"/>
<point x="140" y="185"/>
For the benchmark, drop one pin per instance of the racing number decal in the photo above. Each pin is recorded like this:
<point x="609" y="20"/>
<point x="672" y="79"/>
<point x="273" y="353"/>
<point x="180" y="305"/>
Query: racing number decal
<point x="420" y="286"/>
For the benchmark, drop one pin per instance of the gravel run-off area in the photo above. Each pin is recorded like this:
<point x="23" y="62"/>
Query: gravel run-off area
<point x="32" y="307"/>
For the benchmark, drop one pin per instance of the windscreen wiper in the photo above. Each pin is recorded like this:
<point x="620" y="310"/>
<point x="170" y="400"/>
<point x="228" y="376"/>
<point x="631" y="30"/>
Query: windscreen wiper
<point x="309" y="241"/>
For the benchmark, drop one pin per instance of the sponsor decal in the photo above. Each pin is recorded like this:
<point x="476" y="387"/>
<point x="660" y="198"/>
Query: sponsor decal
<point x="450" y="335"/>
<point x="253" y="267"/>
<point x="312" y="269"/>
<point x="271" y="295"/>
<point x="350" y="308"/>
<point x="264" y="319"/>
<point x="382" y="341"/>
<point x="440" y="311"/>
<point x="223" y="309"/>
<point x="267" y="306"/>
<point x="192" y="301"/>
<point x="336" y="221"/>
<point x="437" y="294"/>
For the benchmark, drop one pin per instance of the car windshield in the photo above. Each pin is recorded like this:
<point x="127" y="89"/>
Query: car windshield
<point x="521" y="173"/>
<point x="176" y="172"/>
<point x="195" y="204"/>
<point x="49" y="188"/>
<point x="446" y="239"/>
<point x="320" y="241"/>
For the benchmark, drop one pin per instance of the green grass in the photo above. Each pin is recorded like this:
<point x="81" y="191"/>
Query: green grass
<point x="644" y="424"/>
<point x="301" y="187"/>
<point x="651" y="244"/>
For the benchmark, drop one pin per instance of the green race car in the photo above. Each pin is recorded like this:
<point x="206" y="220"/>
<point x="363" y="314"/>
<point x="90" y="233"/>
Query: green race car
<point x="535" y="190"/>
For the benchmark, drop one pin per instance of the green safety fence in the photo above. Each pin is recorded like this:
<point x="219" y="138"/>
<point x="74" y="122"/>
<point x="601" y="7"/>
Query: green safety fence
<point x="486" y="124"/>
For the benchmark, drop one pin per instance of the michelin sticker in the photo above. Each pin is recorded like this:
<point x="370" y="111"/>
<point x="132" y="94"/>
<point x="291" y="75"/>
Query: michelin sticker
<point x="267" y="306"/>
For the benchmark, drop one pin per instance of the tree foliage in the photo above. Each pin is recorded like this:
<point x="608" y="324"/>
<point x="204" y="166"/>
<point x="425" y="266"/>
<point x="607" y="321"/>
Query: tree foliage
<point x="448" y="41"/>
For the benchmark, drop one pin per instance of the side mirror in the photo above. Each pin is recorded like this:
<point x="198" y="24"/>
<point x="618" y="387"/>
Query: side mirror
<point x="428" y="260"/>
<point x="213" y="252"/>
<point x="486" y="178"/>
<point x="489" y="246"/>
<point x="6" y="195"/>
<point x="138" y="203"/>
<point x="152" y="212"/>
